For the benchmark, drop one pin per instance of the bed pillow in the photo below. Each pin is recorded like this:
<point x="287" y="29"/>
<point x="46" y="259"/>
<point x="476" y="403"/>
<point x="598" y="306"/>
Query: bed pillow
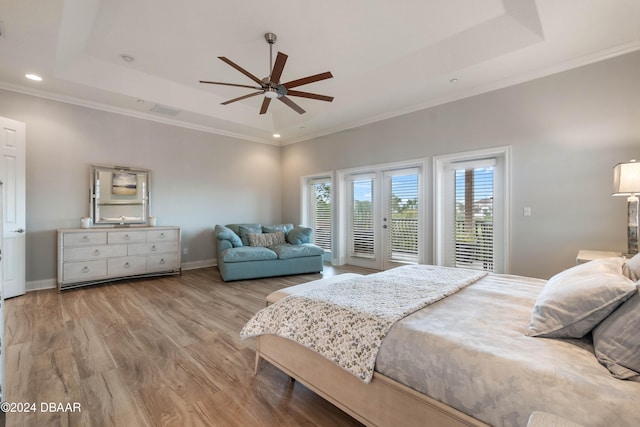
<point x="617" y="342"/>
<point x="266" y="239"/>
<point x="299" y="235"/>
<point x="573" y="302"/>
<point x="631" y="268"/>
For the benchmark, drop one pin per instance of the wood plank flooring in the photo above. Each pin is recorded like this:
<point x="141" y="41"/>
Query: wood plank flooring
<point x="153" y="352"/>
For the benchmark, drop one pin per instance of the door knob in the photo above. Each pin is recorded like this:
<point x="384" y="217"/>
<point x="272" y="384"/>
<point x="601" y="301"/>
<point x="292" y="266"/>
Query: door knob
<point x="19" y="230"/>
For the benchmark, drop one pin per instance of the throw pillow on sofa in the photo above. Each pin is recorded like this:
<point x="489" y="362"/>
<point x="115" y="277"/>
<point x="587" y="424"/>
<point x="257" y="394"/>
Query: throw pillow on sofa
<point x="299" y="235"/>
<point x="266" y="239"/>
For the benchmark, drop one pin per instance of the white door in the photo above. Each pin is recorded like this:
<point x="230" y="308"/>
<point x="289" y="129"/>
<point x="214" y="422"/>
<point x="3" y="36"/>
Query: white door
<point x="384" y="220"/>
<point x="12" y="175"/>
<point x="363" y="222"/>
<point x="401" y="225"/>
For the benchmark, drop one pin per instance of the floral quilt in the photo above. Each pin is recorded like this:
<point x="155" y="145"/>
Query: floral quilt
<point x="346" y="321"/>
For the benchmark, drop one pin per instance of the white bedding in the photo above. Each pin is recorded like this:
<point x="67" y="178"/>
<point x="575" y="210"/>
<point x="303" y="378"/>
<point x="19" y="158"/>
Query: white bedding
<point x="347" y="321"/>
<point x="471" y="352"/>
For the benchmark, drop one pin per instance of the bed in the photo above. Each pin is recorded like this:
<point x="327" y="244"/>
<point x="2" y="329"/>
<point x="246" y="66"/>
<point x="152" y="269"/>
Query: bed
<point x="470" y="358"/>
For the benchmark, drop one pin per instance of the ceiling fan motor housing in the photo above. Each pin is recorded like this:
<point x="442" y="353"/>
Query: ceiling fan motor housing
<point x="270" y="38"/>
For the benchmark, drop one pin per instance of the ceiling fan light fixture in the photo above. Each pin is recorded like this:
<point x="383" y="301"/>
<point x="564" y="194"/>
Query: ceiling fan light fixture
<point x="271" y="93"/>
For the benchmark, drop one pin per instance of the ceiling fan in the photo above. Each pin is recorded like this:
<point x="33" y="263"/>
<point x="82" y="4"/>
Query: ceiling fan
<point x="270" y="86"/>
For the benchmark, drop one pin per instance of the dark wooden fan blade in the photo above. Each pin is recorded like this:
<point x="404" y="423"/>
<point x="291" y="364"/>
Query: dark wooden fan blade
<point x="291" y="104"/>
<point x="310" y="95"/>
<point x="307" y="80"/>
<point x="242" y="70"/>
<point x="265" y="105"/>
<point x="276" y="73"/>
<point x="242" y="97"/>
<point x="230" y="84"/>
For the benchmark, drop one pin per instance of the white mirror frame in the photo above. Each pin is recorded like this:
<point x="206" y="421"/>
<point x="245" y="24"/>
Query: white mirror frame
<point x="120" y="195"/>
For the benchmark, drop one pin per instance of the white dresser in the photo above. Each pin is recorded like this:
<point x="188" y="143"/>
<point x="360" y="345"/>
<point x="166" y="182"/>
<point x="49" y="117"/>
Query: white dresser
<point x="93" y="255"/>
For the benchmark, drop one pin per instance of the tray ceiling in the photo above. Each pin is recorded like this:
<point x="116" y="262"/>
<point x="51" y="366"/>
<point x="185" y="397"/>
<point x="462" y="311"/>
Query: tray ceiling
<point x="387" y="58"/>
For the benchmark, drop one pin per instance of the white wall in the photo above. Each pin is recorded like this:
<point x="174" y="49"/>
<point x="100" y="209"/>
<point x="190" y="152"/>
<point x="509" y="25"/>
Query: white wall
<point x="567" y="131"/>
<point x="198" y="179"/>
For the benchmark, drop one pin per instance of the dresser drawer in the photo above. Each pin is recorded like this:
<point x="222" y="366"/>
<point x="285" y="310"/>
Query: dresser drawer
<point x="97" y="255"/>
<point x="84" y="271"/>
<point x="126" y="266"/>
<point x="94" y="252"/>
<point x="162" y="235"/>
<point x="126" y="237"/>
<point x="153" y="248"/>
<point x="78" y="239"/>
<point x="164" y="262"/>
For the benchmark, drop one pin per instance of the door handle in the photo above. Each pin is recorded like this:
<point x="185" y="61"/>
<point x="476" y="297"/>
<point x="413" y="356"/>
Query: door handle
<point x="19" y="230"/>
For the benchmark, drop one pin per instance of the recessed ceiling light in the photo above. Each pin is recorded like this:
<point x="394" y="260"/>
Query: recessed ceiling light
<point x="453" y="80"/>
<point x="34" y="77"/>
<point x="127" y="58"/>
<point x="276" y="135"/>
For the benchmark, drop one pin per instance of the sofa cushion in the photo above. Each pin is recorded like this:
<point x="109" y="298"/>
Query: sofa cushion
<point x="225" y="233"/>
<point x="266" y="239"/>
<point x="297" y="251"/>
<point x="243" y="231"/>
<point x="285" y="228"/>
<point x="248" y="253"/>
<point x="299" y="235"/>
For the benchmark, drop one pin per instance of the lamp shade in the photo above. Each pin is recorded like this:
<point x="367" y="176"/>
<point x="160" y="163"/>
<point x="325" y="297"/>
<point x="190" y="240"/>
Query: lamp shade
<point x="626" y="178"/>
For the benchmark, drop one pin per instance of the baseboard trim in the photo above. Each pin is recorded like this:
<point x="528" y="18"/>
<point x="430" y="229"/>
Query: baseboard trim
<point x="199" y="264"/>
<point x="40" y="285"/>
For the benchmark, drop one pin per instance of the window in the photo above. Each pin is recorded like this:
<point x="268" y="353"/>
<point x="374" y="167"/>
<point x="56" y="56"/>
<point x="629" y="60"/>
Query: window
<point x="320" y="212"/>
<point x="471" y="216"/>
<point x="362" y="232"/>
<point x="472" y="244"/>
<point x="402" y="216"/>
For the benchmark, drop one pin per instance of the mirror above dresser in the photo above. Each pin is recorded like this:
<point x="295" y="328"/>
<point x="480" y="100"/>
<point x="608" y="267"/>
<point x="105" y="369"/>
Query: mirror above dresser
<point x="119" y="195"/>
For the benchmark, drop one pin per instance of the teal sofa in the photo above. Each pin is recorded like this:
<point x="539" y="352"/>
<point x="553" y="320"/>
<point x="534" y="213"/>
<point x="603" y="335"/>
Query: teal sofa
<point x="250" y="251"/>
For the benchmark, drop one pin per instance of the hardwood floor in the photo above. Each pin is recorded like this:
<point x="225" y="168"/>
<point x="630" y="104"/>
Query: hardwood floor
<point x="152" y="352"/>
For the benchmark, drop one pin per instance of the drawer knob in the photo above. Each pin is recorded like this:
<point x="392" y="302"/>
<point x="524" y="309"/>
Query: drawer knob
<point x="162" y="235"/>
<point x="85" y="269"/>
<point x="126" y="237"/>
<point x="85" y="237"/>
<point x="96" y="252"/>
<point x="127" y="265"/>
<point x="162" y="261"/>
<point x="153" y="248"/>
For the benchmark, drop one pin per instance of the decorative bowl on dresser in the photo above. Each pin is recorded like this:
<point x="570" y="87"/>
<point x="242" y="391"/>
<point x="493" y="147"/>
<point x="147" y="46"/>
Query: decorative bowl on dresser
<point x="97" y="255"/>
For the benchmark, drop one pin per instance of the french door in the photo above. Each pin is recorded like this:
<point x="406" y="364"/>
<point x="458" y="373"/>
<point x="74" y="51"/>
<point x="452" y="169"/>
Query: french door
<point x="384" y="221"/>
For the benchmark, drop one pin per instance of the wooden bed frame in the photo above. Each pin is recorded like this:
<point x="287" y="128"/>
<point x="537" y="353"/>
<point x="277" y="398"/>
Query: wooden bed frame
<point x="382" y="402"/>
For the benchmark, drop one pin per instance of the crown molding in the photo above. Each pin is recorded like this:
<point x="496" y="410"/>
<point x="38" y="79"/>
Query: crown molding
<point x="126" y="112"/>
<point x="500" y="84"/>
